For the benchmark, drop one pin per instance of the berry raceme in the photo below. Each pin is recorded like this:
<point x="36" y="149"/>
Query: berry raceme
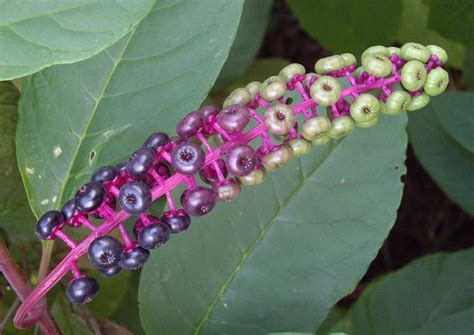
<point x="404" y="80"/>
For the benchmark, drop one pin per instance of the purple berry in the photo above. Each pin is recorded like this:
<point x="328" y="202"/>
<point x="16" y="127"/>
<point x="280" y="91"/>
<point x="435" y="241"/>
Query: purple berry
<point x="82" y="290"/>
<point x="188" y="158"/>
<point x="156" y="140"/>
<point x="209" y="113"/>
<point x="104" y="252"/>
<point x="89" y="197"/>
<point x="46" y="224"/>
<point x="233" y="118"/>
<point x="104" y="174"/>
<point x="189" y="126"/>
<point x="141" y="162"/>
<point x="135" y="197"/>
<point x="208" y="173"/>
<point x="111" y="271"/>
<point x="199" y="201"/>
<point x="154" y="235"/>
<point x="135" y="259"/>
<point x="68" y="210"/>
<point x="241" y="160"/>
<point x="177" y="221"/>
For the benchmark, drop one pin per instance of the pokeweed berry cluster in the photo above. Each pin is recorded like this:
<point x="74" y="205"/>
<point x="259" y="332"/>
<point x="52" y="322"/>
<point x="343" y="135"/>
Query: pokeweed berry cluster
<point x="390" y="80"/>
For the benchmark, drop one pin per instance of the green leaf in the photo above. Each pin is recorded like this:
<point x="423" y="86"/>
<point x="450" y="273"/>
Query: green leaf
<point x="76" y="118"/>
<point x="453" y="19"/>
<point x="34" y="35"/>
<point x="112" y="294"/>
<point x="15" y="215"/>
<point x="252" y="27"/>
<point x="68" y="322"/>
<point x="278" y="257"/>
<point x="441" y="136"/>
<point x="348" y="26"/>
<point x="432" y="295"/>
<point x="414" y="28"/>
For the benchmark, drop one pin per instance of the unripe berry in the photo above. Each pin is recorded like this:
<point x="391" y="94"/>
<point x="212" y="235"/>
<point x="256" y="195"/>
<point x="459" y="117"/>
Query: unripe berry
<point x="316" y="127"/>
<point x="418" y="102"/>
<point x="82" y="290"/>
<point x="365" y="108"/>
<point x="253" y="88"/>
<point x="239" y="96"/>
<point x="289" y="71"/>
<point x="199" y="201"/>
<point x="394" y="51"/>
<point x="415" y="51"/>
<point x="300" y="147"/>
<point x="273" y="88"/>
<point x="438" y="52"/>
<point x="233" y="118"/>
<point x="367" y="124"/>
<point x="241" y="160"/>
<point x="279" y="119"/>
<point x="349" y="59"/>
<point x="89" y="197"/>
<point x="397" y="102"/>
<point x="254" y="178"/>
<point x="436" y="82"/>
<point x="47" y="223"/>
<point x="340" y="127"/>
<point x="377" y="65"/>
<point x="413" y="75"/>
<point x="277" y="158"/>
<point x="325" y="91"/>
<point x="376" y="50"/>
<point x="188" y="158"/>
<point x="329" y="64"/>
<point x="227" y="191"/>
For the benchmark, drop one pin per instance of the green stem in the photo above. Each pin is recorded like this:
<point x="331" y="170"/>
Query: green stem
<point x="45" y="259"/>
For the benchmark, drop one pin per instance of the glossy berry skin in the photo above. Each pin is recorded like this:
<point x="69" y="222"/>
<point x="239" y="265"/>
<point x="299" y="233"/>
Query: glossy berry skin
<point x="188" y="126"/>
<point x="134" y="259"/>
<point x="233" y="118"/>
<point x="47" y="223"/>
<point x="111" y="271"/>
<point x="254" y="178"/>
<point x="241" y="160"/>
<point x="199" y="201"/>
<point x="188" y="158"/>
<point x="82" y="290"/>
<point x="178" y="222"/>
<point x="208" y="173"/>
<point x="135" y="197"/>
<point x="68" y="210"/>
<point x="89" y="197"/>
<point x="418" y="102"/>
<point x="141" y="162"/>
<point x="156" y="140"/>
<point x="104" y="174"/>
<point x="209" y="113"/>
<point x="105" y="252"/>
<point x="227" y="191"/>
<point x="154" y="235"/>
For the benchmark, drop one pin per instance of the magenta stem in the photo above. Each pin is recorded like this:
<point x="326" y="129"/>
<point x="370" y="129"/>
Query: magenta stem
<point x="65" y="238"/>
<point x="86" y="223"/>
<point x="75" y="270"/>
<point x="126" y="240"/>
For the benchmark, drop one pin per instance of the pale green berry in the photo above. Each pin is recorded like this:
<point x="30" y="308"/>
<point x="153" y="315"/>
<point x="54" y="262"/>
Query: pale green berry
<point x="397" y="102"/>
<point x="367" y="124"/>
<point x="325" y="91"/>
<point x="415" y="51"/>
<point x="321" y="140"/>
<point x="277" y="158"/>
<point x="329" y="64"/>
<point x="340" y="127"/>
<point x="418" y="102"/>
<point x="308" y="77"/>
<point x="358" y="71"/>
<point x="394" y="51"/>
<point x="383" y="110"/>
<point x="300" y="147"/>
<point x="436" y="81"/>
<point x="365" y="108"/>
<point x="239" y="96"/>
<point x="290" y="70"/>
<point x="413" y="75"/>
<point x="438" y="52"/>
<point x="279" y="119"/>
<point x="315" y="127"/>
<point x="273" y="88"/>
<point x="254" y="178"/>
<point x="377" y="65"/>
<point x="253" y="88"/>
<point x="349" y="59"/>
<point x="376" y="50"/>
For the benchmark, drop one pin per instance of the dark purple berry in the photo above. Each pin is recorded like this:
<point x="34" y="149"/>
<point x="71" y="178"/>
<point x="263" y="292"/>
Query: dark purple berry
<point x="121" y="167"/>
<point x="154" y="235"/>
<point x="141" y="162"/>
<point x="209" y="112"/>
<point x="199" y="201"/>
<point x="104" y="174"/>
<point x="68" y="210"/>
<point x="188" y="158"/>
<point x="135" y="197"/>
<point x="46" y="224"/>
<point x="89" y="197"/>
<point x="241" y="160"/>
<point x="189" y="126"/>
<point x="134" y="259"/>
<point x="105" y="251"/>
<point x="82" y="290"/>
<point x="178" y="221"/>
<point x="233" y="118"/>
<point x="208" y="173"/>
<point x="156" y="140"/>
<point x="111" y="270"/>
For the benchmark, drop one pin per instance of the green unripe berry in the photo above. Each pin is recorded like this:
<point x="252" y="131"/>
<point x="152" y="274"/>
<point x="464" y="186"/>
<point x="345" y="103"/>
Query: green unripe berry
<point x="254" y="178"/>
<point x="277" y="158"/>
<point x="413" y="75"/>
<point x="340" y="127"/>
<point x="438" y="52"/>
<point x="418" y="102"/>
<point x="279" y="119"/>
<point x="349" y="59"/>
<point x="365" y="108"/>
<point x="316" y="127"/>
<point x="308" y="77"/>
<point x="397" y="102"/>
<point x="239" y="96"/>
<point x="300" y="147"/>
<point x="321" y="140"/>
<point x="325" y="91"/>
<point x="358" y="71"/>
<point x="367" y="124"/>
<point x="253" y="88"/>
<point x="436" y="81"/>
<point x="273" y="88"/>
<point x="415" y="51"/>
<point x="377" y="65"/>
<point x="376" y="50"/>
<point x="329" y="64"/>
<point x="394" y="51"/>
<point x="290" y="70"/>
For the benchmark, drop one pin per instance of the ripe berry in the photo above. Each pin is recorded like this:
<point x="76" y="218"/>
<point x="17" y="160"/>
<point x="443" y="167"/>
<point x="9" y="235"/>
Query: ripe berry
<point x="46" y="224"/>
<point x="140" y="162"/>
<point x="104" y="174"/>
<point x="209" y="112"/>
<point x="233" y="118"/>
<point x="111" y="271"/>
<point x="199" y="201"/>
<point x="82" y="290"/>
<point x="241" y="160"/>
<point x="156" y="140"/>
<point x="177" y="221"/>
<point x="227" y="191"/>
<point x="135" y="197"/>
<point x="189" y="126"/>
<point x="188" y="158"/>
<point x="134" y="259"/>
<point x="325" y="91"/>
<point x="279" y="119"/>
<point x="89" y="197"/>
<point x="105" y="252"/>
<point x="68" y="210"/>
<point x="154" y="235"/>
<point x="208" y="173"/>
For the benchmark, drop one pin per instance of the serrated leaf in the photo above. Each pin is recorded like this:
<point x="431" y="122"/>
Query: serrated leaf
<point x="75" y="118"/>
<point x="433" y="295"/>
<point x="68" y="322"/>
<point x="443" y="141"/>
<point x="278" y="257"/>
<point x="34" y="35"/>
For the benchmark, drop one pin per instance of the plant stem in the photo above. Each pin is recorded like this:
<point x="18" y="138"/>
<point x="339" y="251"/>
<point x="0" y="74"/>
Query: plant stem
<point x="9" y="314"/>
<point x="45" y="259"/>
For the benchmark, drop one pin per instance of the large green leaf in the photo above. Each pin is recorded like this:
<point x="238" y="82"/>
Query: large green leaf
<point x="433" y="295"/>
<point x="37" y="34"/>
<point x="75" y="118"/>
<point x="349" y="26"/>
<point x="442" y="138"/>
<point x="15" y="214"/>
<point x="68" y="322"/>
<point x="281" y="255"/>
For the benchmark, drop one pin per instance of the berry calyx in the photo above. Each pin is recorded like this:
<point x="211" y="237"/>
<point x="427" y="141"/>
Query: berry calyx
<point x="47" y="223"/>
<point x="199" y="201"/>
<point x="82" y="290"/>
<point x="365" y="108"/>
<point x="325" y="91"/>
<point x="134" y="259"/>
<point x="154" y="235"/>
<point x="89" y="197"/>
<point x="177" y="221"/>
<point x="188" y="158"/>
<point x="233" y="118"/>
<point x="105" y="252"/>
<point x="140" y="162"/>
<point x="135" y="197"/>
<point x="241" y="160"/>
